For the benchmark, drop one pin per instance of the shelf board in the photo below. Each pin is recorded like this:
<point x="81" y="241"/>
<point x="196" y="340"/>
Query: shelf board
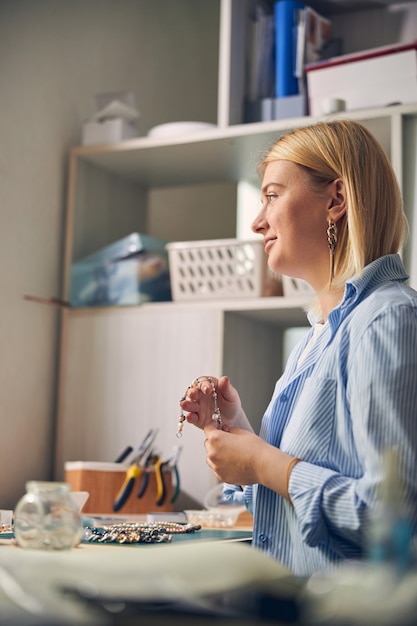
<point x="215" y="155"/>
<point x="332" y="7"/>
<point x="280" y="311"/>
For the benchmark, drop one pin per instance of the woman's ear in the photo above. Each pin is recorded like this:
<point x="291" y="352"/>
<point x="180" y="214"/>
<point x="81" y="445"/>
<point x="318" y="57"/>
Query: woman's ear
<point x="338" y="204"/>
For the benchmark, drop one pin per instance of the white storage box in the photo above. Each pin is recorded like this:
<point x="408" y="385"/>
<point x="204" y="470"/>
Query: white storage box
<point x="220" y="268"/>
<point x="372" y="78"/>
<point x="108" y="131"/>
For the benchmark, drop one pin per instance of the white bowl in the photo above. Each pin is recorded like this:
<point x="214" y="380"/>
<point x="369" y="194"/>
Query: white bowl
<point x="221" y="517"/>
<point x="176" y="129"/>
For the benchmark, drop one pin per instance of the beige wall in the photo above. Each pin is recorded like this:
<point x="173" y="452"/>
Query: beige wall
<point x="376" y="26"/>
<point x="54" y="56"/>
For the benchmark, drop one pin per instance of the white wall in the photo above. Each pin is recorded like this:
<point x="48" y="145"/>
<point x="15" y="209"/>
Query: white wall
<point x="54" y="56"/>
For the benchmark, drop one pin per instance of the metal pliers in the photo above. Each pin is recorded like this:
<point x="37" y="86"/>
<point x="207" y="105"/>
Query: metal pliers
<point x="146" y="469"/>
<point x="134" y="471"/>
<point x="161" y="491"/>
<point x="172" y="464"/>
<point x="160" y="466"/>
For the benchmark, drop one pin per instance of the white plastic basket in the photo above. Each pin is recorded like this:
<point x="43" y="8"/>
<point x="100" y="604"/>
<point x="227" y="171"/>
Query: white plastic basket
<point x="220" y="268"/>
<point x="293" y="287"/>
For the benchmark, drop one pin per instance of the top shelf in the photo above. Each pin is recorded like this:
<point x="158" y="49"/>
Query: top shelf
<point x="331" y="7"/>
<point x="219" y="154"/>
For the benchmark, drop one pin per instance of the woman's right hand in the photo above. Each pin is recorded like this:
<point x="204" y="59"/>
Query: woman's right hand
<point x="199" y="405"/>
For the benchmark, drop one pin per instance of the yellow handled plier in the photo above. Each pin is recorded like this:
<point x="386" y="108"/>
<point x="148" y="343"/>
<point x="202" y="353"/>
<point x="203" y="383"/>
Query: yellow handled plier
<point x="160" y="465"/>
<point x="134" y="471"/>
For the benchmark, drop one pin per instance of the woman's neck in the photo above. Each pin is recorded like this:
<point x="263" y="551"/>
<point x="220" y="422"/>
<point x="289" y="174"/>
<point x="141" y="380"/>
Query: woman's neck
<point x="329" y="300"/>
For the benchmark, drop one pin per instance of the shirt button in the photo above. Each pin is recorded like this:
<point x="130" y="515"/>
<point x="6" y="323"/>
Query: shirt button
<point x="262" y="538"/>
<point x="284" y="397"/>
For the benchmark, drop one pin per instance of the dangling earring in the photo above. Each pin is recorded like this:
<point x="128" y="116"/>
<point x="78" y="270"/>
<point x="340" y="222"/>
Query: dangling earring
<point x="332" y="243"/>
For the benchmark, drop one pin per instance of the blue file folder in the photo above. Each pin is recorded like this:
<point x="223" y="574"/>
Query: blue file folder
<point x="286" y="22"/>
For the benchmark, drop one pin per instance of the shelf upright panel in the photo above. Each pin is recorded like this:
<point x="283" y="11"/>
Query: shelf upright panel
<point x="69" y="224"/>
<point x="231" y="88"/>
<point x="409" y="154"/>
<point x="396" y="145"/>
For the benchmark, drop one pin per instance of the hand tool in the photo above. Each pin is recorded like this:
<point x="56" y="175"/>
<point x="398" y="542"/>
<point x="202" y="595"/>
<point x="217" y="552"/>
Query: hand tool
<point x="172" y="463"/>
<point x="134" y="471"/>
<point x="123" y="455"/>
<point x="145" y="476"/>
<point x="160" y="466"/>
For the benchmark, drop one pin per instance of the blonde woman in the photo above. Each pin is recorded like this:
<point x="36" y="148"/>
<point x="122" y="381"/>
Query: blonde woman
<point x="331" y="215"/>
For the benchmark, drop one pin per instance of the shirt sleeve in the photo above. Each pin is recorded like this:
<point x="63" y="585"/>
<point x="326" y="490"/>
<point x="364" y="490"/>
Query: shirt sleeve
<point x="380" y="400"/>
<point x="235" y="494"/>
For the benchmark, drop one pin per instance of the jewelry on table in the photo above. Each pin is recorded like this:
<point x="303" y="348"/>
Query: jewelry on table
<point x="157" y="532"/>
<point x="216" y="416"/>
<point x="6" y="528"/>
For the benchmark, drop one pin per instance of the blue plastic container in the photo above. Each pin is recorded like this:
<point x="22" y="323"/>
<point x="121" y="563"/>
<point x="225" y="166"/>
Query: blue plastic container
<point x="131" y="271"/>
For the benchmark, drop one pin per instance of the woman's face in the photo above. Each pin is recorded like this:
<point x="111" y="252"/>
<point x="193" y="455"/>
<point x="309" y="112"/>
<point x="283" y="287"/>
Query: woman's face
<point x="293" y="223"/>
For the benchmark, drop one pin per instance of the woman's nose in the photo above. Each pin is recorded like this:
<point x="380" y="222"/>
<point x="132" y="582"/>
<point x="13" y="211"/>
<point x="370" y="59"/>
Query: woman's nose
<point x="259" y="224"/>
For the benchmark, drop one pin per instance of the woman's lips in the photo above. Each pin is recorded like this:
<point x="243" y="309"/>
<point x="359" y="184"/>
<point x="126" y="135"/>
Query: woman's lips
<point x="268" y="244"/>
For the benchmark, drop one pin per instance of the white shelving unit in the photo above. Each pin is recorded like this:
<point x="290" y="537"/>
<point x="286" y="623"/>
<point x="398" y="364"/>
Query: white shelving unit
<point x="123" y="370"/>
<point x="218" y="154"/>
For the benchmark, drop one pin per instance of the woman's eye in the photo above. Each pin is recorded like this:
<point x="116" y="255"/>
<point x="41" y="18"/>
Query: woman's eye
<point x="270" y="197"/>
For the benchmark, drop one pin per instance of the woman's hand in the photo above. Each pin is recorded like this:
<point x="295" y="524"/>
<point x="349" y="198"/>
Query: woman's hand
<point x="233" y="454"/>
<point x="199" y="403"/>
<point x="240" y="457"/>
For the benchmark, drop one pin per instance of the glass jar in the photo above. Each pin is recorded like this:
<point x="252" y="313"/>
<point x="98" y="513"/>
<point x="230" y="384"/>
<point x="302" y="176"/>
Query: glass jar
<point x="46" y="518"/>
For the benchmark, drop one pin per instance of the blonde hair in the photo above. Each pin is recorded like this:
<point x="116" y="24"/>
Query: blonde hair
<point x="375" y="223"/>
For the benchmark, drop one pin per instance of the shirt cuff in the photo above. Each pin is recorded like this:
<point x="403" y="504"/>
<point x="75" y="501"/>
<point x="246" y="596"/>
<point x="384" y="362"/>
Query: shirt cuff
<point x="305" y="490"/>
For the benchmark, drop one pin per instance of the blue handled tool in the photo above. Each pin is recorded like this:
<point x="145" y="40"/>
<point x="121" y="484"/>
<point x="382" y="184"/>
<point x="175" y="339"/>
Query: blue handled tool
<point x="145" y="477"/>
<point x="123" y="455"/>
<point x="133" y="471"/>
<point x="172" y="463"/>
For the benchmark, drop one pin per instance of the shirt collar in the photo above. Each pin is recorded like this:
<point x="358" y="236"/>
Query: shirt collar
<point x="385" y="269"/>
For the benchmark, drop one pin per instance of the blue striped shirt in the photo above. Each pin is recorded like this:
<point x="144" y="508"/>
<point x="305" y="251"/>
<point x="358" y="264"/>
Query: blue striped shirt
<point x="352" y="397"/>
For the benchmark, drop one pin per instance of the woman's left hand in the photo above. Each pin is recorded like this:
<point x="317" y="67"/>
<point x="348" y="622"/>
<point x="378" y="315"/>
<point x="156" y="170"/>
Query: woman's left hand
<point x="234" y="454"/>
<point x="240" y="457"/>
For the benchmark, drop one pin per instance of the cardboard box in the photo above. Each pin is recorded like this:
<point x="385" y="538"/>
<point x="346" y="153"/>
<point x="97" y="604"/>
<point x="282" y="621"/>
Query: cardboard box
<point x="108" y="131"/>
<point x="103" y="482"/>
<point x="131" y="271"/>
<point x="374" y="78"/>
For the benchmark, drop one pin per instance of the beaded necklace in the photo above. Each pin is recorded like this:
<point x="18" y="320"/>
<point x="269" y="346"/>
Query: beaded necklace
<point x="138" y="532"/>
<point x="216" y="416"/>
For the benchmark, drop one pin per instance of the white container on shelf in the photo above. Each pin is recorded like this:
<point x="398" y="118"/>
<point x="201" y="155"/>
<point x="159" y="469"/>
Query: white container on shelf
<point x="296" y="287"/>
<point x="108" y="131"/>
<point x="373" y="78"/>
<point x="219" y="268"/>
